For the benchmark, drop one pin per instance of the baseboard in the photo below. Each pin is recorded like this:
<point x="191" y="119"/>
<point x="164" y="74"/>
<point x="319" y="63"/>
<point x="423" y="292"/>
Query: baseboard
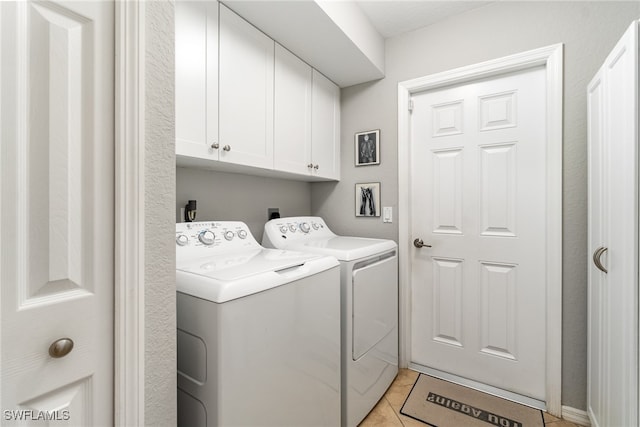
<point x="576" y="416"/>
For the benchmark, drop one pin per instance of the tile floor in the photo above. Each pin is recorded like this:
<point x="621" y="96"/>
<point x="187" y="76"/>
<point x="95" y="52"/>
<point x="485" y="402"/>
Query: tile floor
<point x="387" y="412"/>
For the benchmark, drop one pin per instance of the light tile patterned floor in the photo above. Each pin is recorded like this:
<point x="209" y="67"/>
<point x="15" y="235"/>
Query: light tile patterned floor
<point x="387" y="412"/>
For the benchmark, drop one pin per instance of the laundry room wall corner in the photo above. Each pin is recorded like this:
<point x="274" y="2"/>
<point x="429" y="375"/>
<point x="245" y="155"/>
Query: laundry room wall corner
<point x="159" y="218"/>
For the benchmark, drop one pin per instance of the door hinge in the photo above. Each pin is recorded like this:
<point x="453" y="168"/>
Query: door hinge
<point x="411" y="105"/>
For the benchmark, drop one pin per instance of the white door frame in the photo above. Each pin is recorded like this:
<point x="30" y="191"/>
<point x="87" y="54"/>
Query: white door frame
<point x="129" y="327"/>
<point x="551" y="58"/>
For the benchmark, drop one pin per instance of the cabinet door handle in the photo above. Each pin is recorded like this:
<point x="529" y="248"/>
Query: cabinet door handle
<point x="316" y="167"/>
<point x="227" y="147"/>
<point x="597" y="258"/>
<point x="310" y="165"/>
<point x="215" y="145"/>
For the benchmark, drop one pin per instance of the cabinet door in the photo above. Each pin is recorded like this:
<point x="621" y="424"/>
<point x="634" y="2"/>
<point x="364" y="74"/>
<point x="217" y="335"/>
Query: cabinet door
<point x="613" y="223"/>
<point x="246" y="92"/>
<point x="325" y="127"/>
<point x="196" y="29"/>
<point x="597" y="237"/>
<point x="621" y="288"/>
<point x="292" y="113"/>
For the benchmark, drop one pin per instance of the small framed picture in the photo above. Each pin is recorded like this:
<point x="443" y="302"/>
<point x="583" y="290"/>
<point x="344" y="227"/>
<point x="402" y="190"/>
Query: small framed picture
<point x="368" y="148"/>
<point x="368" y="199"/>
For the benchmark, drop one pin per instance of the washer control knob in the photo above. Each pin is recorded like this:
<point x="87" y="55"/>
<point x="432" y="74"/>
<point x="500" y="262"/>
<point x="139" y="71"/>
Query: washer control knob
<point x="206" y="237"/>
<point x="242" y="234"/>
<point x="315" y="226"/>
<point x="305" y="227"/>
<point x="228" y="235"/>
<point x="182" y="240"/>
<point x="283" y="229"/>
<point x="292" y="228"/>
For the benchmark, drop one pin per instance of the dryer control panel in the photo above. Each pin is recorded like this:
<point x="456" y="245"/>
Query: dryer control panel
<point x="195" y="239"/>
<point x="295" y="229"/>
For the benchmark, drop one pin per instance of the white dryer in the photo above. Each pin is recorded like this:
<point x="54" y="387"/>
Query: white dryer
<point x="258" y="331"/>
<point x="369" y="301"/>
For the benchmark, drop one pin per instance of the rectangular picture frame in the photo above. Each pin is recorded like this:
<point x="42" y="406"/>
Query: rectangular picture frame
<point x="367" y="198"/>
<point x="367" y="148"/>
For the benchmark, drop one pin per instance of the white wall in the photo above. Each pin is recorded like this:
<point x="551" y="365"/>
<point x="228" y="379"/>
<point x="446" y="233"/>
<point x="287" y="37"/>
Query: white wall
<point x="588" y="30"/>
<point x="159" y="199"/>
<point x="235" y="197"/>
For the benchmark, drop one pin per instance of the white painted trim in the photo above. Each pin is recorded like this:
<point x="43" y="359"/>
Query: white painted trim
<point x="129" y="338"/>
<point x="576" y="416"/>
<point x="404" y="227"/>
<point x="551" y="58"/>
<point x="554" y="66"/>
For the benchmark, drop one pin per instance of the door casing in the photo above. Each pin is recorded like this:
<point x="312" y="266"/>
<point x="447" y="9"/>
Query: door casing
<point x="129" y="303"/>
<point x="551" y="58"/>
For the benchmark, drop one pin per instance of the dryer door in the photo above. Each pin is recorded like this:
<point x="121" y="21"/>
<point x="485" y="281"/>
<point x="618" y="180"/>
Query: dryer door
<point x="375" y="301"/>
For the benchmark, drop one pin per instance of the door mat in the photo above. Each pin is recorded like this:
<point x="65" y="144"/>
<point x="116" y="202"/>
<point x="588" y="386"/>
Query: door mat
<point x="443" y="404"/>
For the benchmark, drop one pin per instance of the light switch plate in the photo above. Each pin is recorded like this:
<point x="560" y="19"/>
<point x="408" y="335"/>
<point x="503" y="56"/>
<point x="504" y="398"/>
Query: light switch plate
<point x="387" y="214"/>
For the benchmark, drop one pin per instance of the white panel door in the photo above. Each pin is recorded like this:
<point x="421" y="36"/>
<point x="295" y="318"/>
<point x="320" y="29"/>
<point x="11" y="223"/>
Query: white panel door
<point x="613" y="224"/>
<point x="597" y="235"/>
<point x="246" y="92"/>
<point x="478" y="153"/>
<point x="292" y="111"/>
<point x="57" y="208"/>
<point x="325" y="127"/>
<point x="196" y="27"/>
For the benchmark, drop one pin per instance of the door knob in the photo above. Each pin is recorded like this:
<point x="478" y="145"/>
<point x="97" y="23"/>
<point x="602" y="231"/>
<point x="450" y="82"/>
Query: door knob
<point x="597" y="255"/>
<point x="61" y="348"/>
<point x="215" y="145"/>
<point x="227" y="148"/>
<point x="418" y="243"/>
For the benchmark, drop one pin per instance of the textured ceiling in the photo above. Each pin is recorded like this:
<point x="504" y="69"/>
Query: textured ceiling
<point x="393" y="17"/>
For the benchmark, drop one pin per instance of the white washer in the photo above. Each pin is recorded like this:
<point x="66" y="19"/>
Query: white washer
<point x="369" y="277"/>
<point x="258" y="331"/>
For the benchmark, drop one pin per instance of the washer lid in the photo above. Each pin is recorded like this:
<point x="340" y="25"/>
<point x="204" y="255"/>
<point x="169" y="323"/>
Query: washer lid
<point x="345" y="248"/>
<point x="238" y="275"/>
<point x="243" y="264"/>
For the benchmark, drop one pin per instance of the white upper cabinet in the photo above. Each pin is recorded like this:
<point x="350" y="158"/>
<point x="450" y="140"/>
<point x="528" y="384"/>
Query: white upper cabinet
<point x="245" y="104"/>
<point x="325" y="127"/>
<point x="292" y="124"/>
<point x="246" y="93"/>
<point x="196" y="29"/>
<point x="307" y="119"/>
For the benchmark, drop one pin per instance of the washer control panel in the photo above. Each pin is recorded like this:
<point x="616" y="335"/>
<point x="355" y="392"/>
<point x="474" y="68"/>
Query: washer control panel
<point x="208" y="237"/>
<point x="296" y="228"/>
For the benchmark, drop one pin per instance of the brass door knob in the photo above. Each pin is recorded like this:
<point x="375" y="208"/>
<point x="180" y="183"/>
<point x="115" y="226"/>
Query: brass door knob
<point x="60" y="348"/>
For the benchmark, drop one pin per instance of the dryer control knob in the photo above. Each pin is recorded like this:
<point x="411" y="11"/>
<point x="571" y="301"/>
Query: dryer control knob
<point x="242" y="234"/>
<point x="315" y="225"/>
<point x="228" y="235"/>
<point x="305" y="227"/>
<point x="283" y="229"/>
<point x="292" y="228"/>
<point x="206" y="237"/>
<point x="182" y="240"/>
